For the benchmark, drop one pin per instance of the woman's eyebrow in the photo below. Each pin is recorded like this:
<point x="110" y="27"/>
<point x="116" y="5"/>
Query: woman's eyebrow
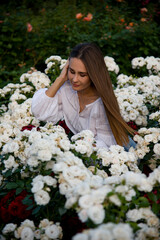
<point x="78" y="72"/>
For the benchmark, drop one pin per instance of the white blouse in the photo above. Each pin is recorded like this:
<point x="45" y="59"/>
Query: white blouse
<point x="65" y="104"/>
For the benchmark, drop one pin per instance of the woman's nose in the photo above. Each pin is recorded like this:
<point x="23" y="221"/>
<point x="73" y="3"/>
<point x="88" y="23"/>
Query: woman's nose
<point x="75" y="78"/>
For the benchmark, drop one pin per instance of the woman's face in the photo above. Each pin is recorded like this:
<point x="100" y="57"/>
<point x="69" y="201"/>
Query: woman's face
<point x="78" y="75"/>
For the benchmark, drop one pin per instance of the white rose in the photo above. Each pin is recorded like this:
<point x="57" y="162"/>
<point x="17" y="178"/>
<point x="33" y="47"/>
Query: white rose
<point x="64" y="188"/>
<point x="27" y="234"/>
<point x="50" y="181"/>
<point x="41" y="197"/>
<point x="114" y="199"/>
<point x="80" y="236"/>
<point x="37" y="178"/>
<point x="96" y="214"/>
<point x="64" y="144"/>
<point x="145" y="185"/>
<point x="70" y="201"/>
<point x="59" y="167"/>
<point x="103" y="234"/>
<point x="37" y="186"/>
<point x="86" y="201"/>
<point x="10" y="162"/>
<point x="33" y="161"/>
<point x="153" y="221"/>
<point x="96" y="181"/>
<point x="134" y="215"/>
<point x="82" y="188"/>
<point x="44" y="223"/>
<point x="34" y="136"/>
<point x="83" y="215"/>
<point x="10" y="227"/>
<point x="156" y="149"/>
<point x="52" y="231"/>
<point x="123" y="232"/>
<point x="28" y="223"/>
<point x="44" y="155"/>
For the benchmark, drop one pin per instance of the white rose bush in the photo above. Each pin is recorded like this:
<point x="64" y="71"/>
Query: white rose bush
<point x="56" y="185"/>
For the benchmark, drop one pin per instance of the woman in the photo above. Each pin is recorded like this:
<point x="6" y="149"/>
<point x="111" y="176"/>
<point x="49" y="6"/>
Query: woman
<point x="84" y="96"/>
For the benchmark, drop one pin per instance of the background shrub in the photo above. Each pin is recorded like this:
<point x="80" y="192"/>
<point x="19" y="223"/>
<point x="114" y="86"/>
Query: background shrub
<point x="123" y="29"/>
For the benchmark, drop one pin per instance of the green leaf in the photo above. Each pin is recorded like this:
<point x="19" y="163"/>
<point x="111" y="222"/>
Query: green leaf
<point x="11" y="185"/>
<point x="152" y="197"/>
<point x="8" y="173"/>
<point x="30" y="207"/>
<point x="36" y="210"/>
<point x="27" y="202"/>
<point x="62" y="211"/>
<point x="156" y="208"/>
<point x="134" y="226"/>
<point x="20" y="183"/>
<point x="143" y="202"/>
<point x="26" y="199"/>
<point x="18" y="191"/>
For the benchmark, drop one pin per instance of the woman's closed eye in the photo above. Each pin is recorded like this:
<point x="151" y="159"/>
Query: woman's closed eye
<point x="71" y="71"/>
<point x="83" y="75"/>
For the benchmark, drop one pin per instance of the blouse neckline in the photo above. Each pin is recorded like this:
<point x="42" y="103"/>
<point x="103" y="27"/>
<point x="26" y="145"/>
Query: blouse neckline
<point x="74" y="100"/>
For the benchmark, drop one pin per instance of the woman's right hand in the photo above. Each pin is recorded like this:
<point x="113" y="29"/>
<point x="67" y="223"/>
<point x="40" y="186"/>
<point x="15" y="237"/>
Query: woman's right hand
<point x="64" y="73"/>
<point x="52" y="90"/>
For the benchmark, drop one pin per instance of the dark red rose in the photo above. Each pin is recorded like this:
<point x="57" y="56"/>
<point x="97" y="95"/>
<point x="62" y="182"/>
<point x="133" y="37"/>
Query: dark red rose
<point x="18" y="209"/>
<point x="132" y="125"/>
<point x="71" y="225"/>
<point x="29" y="128"/>
<point x="5" y="216"/>
<point x="5" y="200"/>
<point x="63" y="124"/>
<point x="11" y="206"/>
<point x="146" y="170"/>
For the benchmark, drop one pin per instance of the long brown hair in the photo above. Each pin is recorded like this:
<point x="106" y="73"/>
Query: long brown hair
<point x="93" y="59"/>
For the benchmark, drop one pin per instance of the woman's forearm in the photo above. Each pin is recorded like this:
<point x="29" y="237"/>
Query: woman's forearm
<point x="52" y="90"/>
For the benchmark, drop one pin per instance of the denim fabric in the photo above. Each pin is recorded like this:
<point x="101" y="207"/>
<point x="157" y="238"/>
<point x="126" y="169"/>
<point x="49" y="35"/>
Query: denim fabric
<point x="130" y="144"/>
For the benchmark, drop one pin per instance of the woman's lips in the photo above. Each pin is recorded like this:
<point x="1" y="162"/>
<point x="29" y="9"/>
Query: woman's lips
<point x="75" y="85"/>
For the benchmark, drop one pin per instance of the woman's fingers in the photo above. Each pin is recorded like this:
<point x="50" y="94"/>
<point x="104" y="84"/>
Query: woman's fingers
<point x="65" y="71"/>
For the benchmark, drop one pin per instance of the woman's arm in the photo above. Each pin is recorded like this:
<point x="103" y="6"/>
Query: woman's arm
<point x="52" y="90"/>
<point x="46" y="104"/>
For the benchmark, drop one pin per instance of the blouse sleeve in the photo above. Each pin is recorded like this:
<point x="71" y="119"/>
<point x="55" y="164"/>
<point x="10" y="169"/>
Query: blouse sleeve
<point x="104" y="136"/>
<point x="47" y="108"/>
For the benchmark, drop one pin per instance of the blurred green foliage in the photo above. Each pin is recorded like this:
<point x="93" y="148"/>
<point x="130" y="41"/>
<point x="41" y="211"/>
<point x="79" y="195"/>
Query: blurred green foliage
<point x="120" y="28"/>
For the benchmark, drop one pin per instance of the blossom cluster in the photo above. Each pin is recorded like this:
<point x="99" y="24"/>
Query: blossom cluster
<point x="155" y="116"/>
<point x="111" y="64"/>
<point x="108" y="231"/>
<point x="118" y="160"/>
<point x="27" y="230"/>
<point x="51" y="63"/>
<point x="151" y="63"/>
<point x="138" y="97"/>
<point x="106" y="188"/>
<point x="148" y="87"/>
<point x="132" y="105"/>
<point x="37" y="78"/>
<point x="147" y="138"/>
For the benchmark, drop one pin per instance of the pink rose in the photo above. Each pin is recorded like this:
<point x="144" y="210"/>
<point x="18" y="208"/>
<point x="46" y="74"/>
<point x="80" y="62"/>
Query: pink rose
<point x="29" y="27"/>
<point x="89" y="17"/>
<point x="79" y="15"/>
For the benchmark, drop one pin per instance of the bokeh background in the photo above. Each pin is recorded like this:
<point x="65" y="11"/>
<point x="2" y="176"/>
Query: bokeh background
<point x="31" y="31"/>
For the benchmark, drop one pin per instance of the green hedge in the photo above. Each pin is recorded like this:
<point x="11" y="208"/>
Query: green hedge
<point x="120" y="28"/>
